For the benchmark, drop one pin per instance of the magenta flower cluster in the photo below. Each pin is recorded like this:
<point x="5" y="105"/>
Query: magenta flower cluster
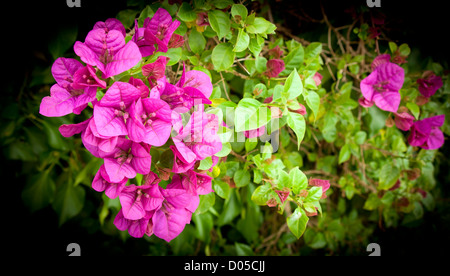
<point x="382" y="88"/>
<point x="133" y="116"/>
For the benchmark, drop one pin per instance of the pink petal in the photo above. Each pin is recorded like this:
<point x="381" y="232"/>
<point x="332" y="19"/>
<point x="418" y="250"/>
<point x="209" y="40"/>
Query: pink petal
<point x="60" y="103"/>
<point x="381" y="59"/>
<point x="199" y="80"/>
<point x="142" y="160"/>
<point x="169" y="226"/>
<point x="388" y="101"/>
<point x="108" y="123"/>
<point x="63" y="70"/>
<point x="132" y="208"/>
<point x="111" y="24"/>
<point x="87" y="55"/>
<point x="435" y="140"/>
<point x="120" y="92"/>
<point x="70" y="130"/>
<point x="99" y="39"/>
<point x="117" y="172"/>
<point x="123" y="60"/>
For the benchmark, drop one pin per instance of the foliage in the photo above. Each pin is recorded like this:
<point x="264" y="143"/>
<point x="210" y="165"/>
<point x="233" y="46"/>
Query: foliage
<point x="305" y="162"/>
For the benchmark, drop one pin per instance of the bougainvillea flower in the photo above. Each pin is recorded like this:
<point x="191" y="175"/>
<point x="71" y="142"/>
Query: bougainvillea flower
<point x="139" y="84"/>
<point x="97" y="144"/>
<point x="150" y="122"/>
<point x="107" y="50"/>
<point x="198" y="139"/>
<point x="382" y="86"/>
<point x="275" y="52"/>
<point x="111" y="112"/>
<point x="381" y="59"/>
<point x="160" y="29"/>
<point x="170" y="219"/>
<point x="127" y="159"/>
<point x="155" y="71"/>
<point x="255" y="132"/>
<point x="317" y="78"/>
<point x="180" y="165"/>
<point x="72" y="129"/>
<point x="274" y="68"/>
<point x="176" y="41"/>
<point x="403" y="120"/>
<point x="102" y="183"/>
<point x="325" y="184"/>
<point x="146" y="48"/>
<point x="136" y="228"/>
<point x="195" y="183"/>
<point x="202" y="19"/>
<point x="111" y="24"/>
<point x="426" y="133"/>
<point x="365" y="103"/>
<point x="429" y="84"/>
<point x="196" y="79"/>
<point x="180" y="99"/>
<point x="137" y="200"/>
<point x="67" y="96"/>
<point x="86" y="77"/>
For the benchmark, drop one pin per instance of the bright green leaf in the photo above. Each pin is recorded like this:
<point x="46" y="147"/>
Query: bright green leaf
<point x="297" y="222"/>
<point x="222" y="56"/>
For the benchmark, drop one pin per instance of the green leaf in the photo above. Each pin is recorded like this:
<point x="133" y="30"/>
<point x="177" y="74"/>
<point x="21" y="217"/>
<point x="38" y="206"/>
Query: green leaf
<point x="313" y="50"/>
<point x="220" y="22"/>
<point x="205" y="164"/>
<point x="293" y="60"/>
<point x="221" y="188"/>
<point x="297" y="222"/>
<point x="314" y="194"/>
<point x="262" y="194"/>
<point x="360" y="137"/>
<point x="222" y="56"/>
<point x="146" y="12"/>
<point x="344" y="154"/>
<point x="39" y="191"/>
<point x="242" y="41"/>
<point x="298" y="180"/>
<point x="197" y="41"/>
<point x="261" y="64"/>
<point x="251" y="114"/>
<point x="69" y="201"/>
<point x="203" y="225"/>
<point x="261" y="26"/>
<point x="255" y="45"/>
<point x="372" y="202"/>
<point x="226" y="149"/>
<point x="186" y="13"/>
<point x="243" y="249"/>
<point x="404" y="49"/>
<point x="242" y="178"/>
<point x="414" y="108"/>
<point x="293" y="86"/>
<point x="206" y="202"/>
<point x="62" y="41"/>
<point x="393" y="47"/>
<point x="283" y="180"/>
<point x="127" y="17"/>
<point x="239" y="11"/>
<point x="313" y="101"/>
<point x="389" y="175"/>
<point x="297" y="123"/>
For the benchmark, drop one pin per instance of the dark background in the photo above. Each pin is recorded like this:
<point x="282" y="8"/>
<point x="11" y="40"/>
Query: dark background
<point x="28" y="26"/>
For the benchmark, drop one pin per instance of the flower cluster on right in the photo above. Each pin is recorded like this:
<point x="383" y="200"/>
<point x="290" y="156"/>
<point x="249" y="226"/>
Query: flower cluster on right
<point x="382" y="88"/>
